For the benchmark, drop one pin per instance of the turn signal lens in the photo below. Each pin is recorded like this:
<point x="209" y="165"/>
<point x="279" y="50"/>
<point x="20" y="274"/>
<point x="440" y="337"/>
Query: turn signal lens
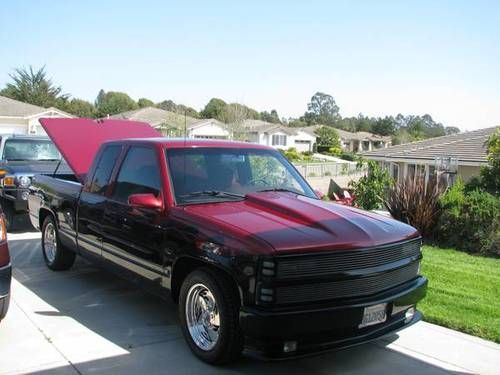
<point x="9" y="181"/>
<point x="3" y="172"/>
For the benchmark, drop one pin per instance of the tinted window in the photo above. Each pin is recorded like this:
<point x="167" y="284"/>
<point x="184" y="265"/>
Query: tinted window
<point x="139" y="174"/>
<point x="104" y="168"/>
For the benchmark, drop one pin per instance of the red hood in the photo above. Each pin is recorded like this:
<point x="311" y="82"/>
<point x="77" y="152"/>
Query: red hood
<point x="79" y="139"/>
<point x="291" y="223"/>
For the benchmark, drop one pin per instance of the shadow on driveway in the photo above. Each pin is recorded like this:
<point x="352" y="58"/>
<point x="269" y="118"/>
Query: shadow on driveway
<point x="144" y="329"/>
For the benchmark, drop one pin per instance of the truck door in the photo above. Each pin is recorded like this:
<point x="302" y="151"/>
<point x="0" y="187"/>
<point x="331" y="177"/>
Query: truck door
<point x="133" y="236"/>
<point x="93" y="201"/>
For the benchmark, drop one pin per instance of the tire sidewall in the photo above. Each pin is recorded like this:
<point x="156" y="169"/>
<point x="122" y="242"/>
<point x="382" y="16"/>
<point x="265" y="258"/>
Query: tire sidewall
<point x="209" y="281"/>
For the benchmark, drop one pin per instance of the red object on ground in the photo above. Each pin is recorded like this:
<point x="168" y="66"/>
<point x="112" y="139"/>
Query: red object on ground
<point x="79" y="139"/>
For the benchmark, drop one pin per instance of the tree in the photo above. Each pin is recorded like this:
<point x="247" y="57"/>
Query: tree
<point x="490" y="174"/>
<point x="144" y="102"/>
<point x="168" y="105"/>
<point x="296" y="123"/>
<point x="328" y="137"/>
<point x="113" y="102"/>
<point x="322" y="109"/>
<point x="80" y="108"/>
<point x="449" y="130"/>
<point x="384" y="126"/>
<point x="188" y="111"/>
<point x="234" y="116"/>
<point x="215" y="108"/>
<point x="33" y="87"/>
<point x="271" y="117"/>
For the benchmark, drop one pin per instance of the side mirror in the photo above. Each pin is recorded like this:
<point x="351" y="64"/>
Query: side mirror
<point x="145" y="201"/>
<point x="319" y="194"/>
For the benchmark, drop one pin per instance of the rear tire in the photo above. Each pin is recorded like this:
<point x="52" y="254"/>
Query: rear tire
<point x="206" y="287"/>
<point x="56" y="256"/>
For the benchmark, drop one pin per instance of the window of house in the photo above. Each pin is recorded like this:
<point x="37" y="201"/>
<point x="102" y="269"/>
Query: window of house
<point x="139" y="174"/>
<point x="279" y="140"/>
<point x="104" y="168"/>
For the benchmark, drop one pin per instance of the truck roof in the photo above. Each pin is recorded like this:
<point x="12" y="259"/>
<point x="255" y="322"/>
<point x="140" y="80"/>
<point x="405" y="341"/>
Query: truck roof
<point x="193" y="143"/>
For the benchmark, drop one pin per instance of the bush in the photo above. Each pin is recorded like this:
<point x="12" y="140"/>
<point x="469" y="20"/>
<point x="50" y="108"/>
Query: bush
<point x="348" y="156"/>
<point x="369" y="190"/>
<point x="416" y="203"/>
<point x="470" y="222"/>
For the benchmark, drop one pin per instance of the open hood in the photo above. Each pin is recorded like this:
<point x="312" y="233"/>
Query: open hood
<point x="79" y="139"/>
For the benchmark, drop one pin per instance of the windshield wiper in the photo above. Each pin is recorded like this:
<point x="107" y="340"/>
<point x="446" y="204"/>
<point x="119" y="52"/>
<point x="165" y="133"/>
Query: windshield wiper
<point x="212" y="193"/>
<point x="48" y="159"/>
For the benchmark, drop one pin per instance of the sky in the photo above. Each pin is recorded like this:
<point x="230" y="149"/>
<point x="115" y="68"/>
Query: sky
<point x="374" y="57"/>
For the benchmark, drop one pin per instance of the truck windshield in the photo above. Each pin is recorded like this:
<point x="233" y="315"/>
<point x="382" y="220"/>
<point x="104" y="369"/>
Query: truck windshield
<point x="214" y="174"/>
<point x="30" y="149"/>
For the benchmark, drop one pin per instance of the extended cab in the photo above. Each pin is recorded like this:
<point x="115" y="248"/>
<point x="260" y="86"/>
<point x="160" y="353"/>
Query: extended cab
<point x="233" y="233"/>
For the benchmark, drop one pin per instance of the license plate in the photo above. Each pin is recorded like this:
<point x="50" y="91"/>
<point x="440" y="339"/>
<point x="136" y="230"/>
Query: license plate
<point x="374" y="315"/>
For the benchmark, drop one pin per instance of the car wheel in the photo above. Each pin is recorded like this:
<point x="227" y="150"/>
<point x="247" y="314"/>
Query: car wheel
<point x="57" y="257"/>
<point x="209" y="315"/>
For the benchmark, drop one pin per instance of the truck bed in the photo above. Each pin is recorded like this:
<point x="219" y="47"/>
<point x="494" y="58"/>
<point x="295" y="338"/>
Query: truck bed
<point x="61" y="193"/>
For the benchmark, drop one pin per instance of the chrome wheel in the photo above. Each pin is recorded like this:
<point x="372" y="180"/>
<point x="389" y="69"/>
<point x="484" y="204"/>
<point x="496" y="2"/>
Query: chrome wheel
<point x="50" y="242"/>
<point x="202" y="317"/>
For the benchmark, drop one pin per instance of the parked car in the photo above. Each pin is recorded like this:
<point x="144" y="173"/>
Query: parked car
<point x="234" y="234"/>
<point x="21" y="158"/>
<point x="5" y="269"/>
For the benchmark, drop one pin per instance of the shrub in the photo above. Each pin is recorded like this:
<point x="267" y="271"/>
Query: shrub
<point x="470" y="222"/>
<point x="334" y="151"/>
<point x="292" y="154"/>
<point x="416" y="203"/>
<point x="369" y="190"/>
<point x="348" y="156"/>
<point x="328" y="173"/>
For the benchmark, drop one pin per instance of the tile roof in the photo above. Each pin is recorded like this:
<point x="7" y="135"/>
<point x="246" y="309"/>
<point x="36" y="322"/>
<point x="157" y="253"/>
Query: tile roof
<point x="156" y="117"/>
<point x="469" y="147"/>
<point x="14" y="108"/>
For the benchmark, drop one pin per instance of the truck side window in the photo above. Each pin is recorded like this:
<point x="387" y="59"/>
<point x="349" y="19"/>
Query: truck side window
<point x="139" y="174"/>
<point x="104" y="168"/>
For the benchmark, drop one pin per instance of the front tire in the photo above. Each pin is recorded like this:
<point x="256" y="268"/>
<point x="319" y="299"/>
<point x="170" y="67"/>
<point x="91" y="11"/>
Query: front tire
<point x="209" y="315"/>
<point x="57" y="257"/>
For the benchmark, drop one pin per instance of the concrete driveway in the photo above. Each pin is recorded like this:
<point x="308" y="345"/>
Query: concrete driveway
<point x="86" y="321"/>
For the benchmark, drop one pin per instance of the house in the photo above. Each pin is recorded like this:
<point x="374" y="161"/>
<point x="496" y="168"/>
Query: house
<point x="173" y="124"/>
<point x="362" y="141"/>
<point x="278" y="135"/>
<point x="450" y="156"/>
<point x="22" y="118"/>
<point x="356" y="141"/>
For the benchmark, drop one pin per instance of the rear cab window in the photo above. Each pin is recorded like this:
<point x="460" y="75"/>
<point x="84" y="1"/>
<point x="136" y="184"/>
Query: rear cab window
<point x="104" y="168"/>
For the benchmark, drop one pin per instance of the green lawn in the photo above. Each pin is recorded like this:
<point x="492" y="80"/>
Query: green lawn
<point x="464" y="292"/>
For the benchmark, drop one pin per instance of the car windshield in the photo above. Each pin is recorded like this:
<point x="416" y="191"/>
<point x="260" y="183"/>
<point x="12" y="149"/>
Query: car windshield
<point x="215" y="174"/>
<point x="30" y="149"/>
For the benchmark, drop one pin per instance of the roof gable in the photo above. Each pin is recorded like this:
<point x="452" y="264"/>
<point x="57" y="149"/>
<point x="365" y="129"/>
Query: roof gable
<point x="14" y="108"/>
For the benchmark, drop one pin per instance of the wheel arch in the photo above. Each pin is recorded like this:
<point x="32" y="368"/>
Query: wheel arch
<point x="183" y="266"/>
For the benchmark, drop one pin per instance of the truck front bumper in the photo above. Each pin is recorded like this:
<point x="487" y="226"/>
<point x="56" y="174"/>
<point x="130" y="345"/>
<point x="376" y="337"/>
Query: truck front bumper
<point x="5" y="277"/>
<point x="271" y="333"/>
<point x="18" y="197"/>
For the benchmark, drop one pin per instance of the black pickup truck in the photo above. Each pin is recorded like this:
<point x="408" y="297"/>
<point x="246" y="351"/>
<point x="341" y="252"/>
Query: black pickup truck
<point x="21" y="157"/>
<point x="233" y="233"/>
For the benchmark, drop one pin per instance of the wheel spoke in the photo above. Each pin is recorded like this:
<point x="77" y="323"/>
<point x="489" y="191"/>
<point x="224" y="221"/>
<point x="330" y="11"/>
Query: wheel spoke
<point x="202" y="317"/>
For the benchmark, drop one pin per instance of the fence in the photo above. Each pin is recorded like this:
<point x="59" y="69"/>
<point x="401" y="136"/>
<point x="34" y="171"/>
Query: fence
<point x="328" y="169"/>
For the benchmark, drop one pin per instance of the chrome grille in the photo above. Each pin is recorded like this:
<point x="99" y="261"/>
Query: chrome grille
<point x="346" y="288"/>
<point x="290" y="267"/>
